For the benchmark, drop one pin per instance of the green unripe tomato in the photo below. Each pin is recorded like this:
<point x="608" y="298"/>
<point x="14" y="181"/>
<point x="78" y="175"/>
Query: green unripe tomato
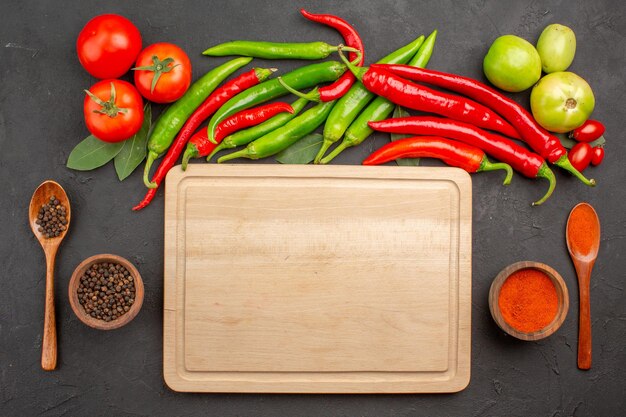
<point x="561" y="102"/>
<point x="512" y="64"/>
<point x="556" y="47"/>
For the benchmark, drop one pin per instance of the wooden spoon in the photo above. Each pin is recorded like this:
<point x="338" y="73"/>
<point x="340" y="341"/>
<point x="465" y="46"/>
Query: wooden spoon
<point x="50" y="246"/>
<point x="583" y="248"/>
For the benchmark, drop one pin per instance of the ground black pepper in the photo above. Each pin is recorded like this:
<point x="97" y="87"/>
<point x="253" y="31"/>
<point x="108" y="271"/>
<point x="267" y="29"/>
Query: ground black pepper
<point x="106" y="291"/>
<point x="52" y="218"/>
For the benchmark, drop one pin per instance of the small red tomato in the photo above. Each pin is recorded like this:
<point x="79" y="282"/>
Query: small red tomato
<point x="113" y="110"/>
<point x="162" y="72"/>
<point x="580" y="156"/>
<point x="588" y="132"/>
<point x="598" y="156"/>
<point x="108" y="45"/>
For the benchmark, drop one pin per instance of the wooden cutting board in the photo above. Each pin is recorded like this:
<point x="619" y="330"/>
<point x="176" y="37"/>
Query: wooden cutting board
<point x="317" y="279"/>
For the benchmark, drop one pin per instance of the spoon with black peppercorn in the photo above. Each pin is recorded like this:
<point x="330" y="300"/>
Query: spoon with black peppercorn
<point x="49" y="216"/>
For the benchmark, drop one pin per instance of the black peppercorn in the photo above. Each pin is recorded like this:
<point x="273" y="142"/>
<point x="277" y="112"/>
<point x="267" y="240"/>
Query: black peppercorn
<point x="100" y="289"/>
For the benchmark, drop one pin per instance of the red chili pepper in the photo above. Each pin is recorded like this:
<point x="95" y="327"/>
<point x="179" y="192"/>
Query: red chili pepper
<point x="521" y="159"/>
<point x="206" y="109"/>
<point x="352" y="39"/>
<point x="238" y="121"/>
<point x="417" y="97"/>
<point x="541" y="141"/>
<point x="457" y="154"/>
<point x="588" y="132"/>
<point x="199" y="145"/>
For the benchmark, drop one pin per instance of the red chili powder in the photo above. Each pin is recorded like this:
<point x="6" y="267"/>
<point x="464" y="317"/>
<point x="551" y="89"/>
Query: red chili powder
<point x="528" y="300"/>
<point x="579" y="226"/>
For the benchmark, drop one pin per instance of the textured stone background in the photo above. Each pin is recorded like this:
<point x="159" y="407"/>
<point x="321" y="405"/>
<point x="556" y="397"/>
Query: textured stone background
<point x="119" y="373"/>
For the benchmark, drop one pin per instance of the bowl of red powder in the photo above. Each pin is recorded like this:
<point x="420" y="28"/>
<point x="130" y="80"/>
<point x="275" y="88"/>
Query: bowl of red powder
<point x="529" y="300"/>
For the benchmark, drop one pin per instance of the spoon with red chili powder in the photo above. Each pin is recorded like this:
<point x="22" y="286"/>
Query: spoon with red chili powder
<point x="583" y="242"/>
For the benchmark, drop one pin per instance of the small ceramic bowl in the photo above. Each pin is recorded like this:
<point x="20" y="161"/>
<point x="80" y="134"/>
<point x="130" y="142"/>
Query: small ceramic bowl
<point x="561" y="291"/>
<point x="80" y="311"/>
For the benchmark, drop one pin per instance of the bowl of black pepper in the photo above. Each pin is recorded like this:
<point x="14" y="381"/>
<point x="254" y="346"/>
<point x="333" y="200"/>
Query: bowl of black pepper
<point x="106" y="291"/>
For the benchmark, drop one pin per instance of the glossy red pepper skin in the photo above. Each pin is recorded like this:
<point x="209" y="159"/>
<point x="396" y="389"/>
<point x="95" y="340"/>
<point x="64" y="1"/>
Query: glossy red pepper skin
<point x="521" y="159"/>
<point x="418" y="97"/>
<point x="249" y="117"/>
<point x="588" y="132"/>
<point x="505" y="150"/>
<point x="201" y="143"/>
<point x="540" y="140"/>
<point x="198" y="146"/>
<point x="206" y="109"/>
<point x="453" y="153"/>
<point x="352" y="39"/>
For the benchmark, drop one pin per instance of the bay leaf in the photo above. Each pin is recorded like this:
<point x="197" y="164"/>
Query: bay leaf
<point x="409" y="162"/>
<point x="303" y="151"/>
<point x="92" y="153"/>
<point x="134" y="150"/>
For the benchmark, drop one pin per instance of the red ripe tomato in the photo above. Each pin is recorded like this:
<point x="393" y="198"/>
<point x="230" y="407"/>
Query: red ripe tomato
<point x="113" y="110"/>
<point x="162" y="72"/>
<point x="598" y="156"/>
<point x="108" y="45"/>
<point x="588" y="132"/>
<point x="580" y="156"/>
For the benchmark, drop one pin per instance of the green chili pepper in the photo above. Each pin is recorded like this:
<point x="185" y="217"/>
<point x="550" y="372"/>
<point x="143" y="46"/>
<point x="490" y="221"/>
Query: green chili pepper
<point x="170" y="122"/>
<point x="299" y="78"/>
<point x="285" y="136"/>
<point x="243" y="137"/>
<point x="349" y="106"/>
<point x="275" y="50"/>
<point x="380" y="108"/>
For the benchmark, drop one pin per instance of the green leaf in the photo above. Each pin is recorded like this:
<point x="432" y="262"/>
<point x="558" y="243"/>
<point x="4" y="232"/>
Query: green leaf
<point x="408" y="162"/>
<point x="134" y="150"/>
<point x="303" y="151"/>
<point x="92" y="153"/>
<point x="569" y="143"/>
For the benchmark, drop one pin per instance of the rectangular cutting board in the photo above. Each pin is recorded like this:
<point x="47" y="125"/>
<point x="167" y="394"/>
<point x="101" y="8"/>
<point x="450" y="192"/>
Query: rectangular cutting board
<point x="317" y="279"/>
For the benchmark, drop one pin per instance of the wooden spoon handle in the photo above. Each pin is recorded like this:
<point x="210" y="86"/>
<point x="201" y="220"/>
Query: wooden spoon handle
<point x="49" y="343"/>
<point x="584" y="320"/>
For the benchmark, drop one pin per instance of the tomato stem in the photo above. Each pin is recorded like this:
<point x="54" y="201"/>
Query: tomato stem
<point x="109" y="107"/>
<point x="158" y="67"/>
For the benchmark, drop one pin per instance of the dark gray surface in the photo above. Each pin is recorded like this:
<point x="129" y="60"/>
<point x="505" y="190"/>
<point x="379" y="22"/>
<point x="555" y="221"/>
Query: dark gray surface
<point x="119" y="372"/>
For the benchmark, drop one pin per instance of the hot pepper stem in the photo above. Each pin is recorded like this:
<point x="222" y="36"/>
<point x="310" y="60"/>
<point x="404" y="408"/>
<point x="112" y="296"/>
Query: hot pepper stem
<point x="190" y="152"/>
<point x="325" y="145"/>
<point x="146" y="172"/>
<point x="340" y="148"/>
<point x="357" y="71"/>
<point x="563" y="162"/>
<point x="244" y="153"/>
<point x="546" y="172"/>
<point x="313" y="95"/>
<point x="215" y="150"/>
<point x="263" y="74"/>
<point x="347" y="48"/>
<point x="487" y="165"/>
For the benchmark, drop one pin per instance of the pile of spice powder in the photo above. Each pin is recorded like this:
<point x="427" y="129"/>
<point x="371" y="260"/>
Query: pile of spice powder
<point x="106" y="291"/>
<point x="579" y="227"/>
<point x="528" y="300"/>
<point x="52" y="218"/>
